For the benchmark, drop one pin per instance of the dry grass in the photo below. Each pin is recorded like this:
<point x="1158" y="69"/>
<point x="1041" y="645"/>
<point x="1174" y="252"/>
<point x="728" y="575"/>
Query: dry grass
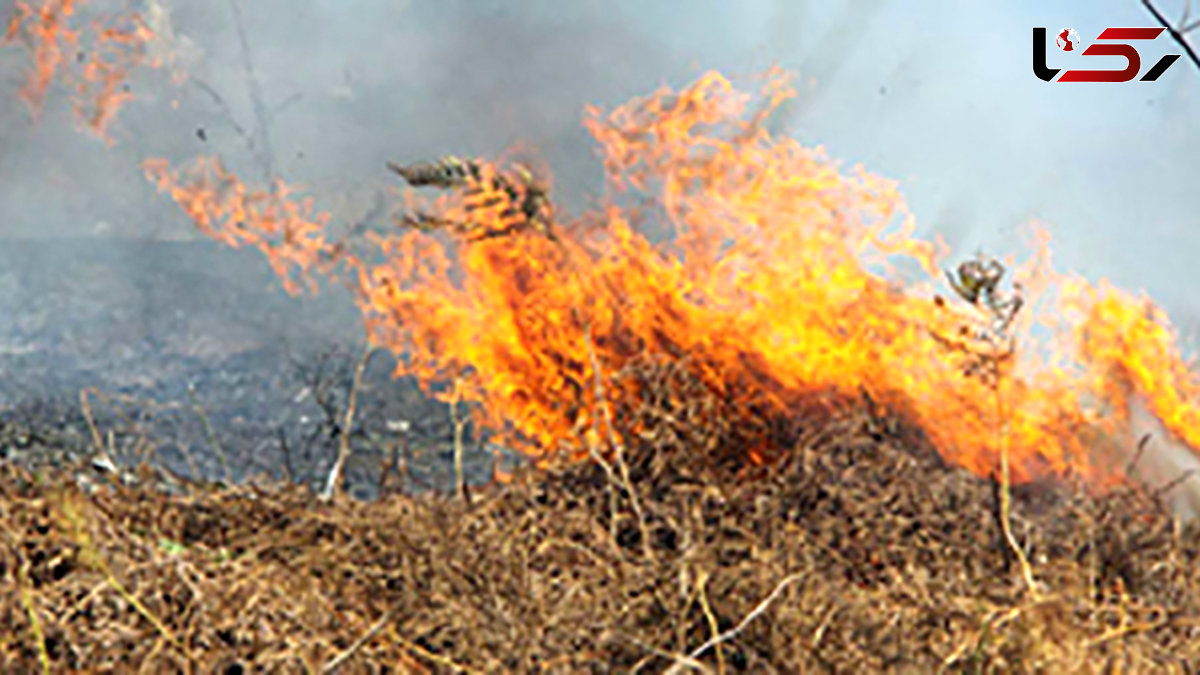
<point x="859" y="551"/>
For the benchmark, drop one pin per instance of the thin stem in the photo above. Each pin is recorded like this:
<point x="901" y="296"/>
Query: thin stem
<point x="1006" y="487"/>
<point x="460" y="424"/>
<point x="333" y="485"/>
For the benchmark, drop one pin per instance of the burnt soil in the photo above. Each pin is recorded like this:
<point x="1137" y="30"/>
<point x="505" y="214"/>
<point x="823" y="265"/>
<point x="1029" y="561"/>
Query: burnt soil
<point x="195" y="360"/>
<point x="860" y="551"/>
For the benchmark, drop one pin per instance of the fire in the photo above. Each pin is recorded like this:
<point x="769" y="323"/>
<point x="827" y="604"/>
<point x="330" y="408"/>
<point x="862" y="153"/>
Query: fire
<point x="775" y="277"/>
<point x="94" y="61"/>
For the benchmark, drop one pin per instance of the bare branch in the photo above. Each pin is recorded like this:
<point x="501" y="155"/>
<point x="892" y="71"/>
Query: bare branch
<point x="225" y="111"/>
<point x="262" y="116"/>
<point x="333" y="484"/>
<point x="1177" y="34"/>
<point x="736" y="630"/>
<point x="284" y="105"/>
<point x="375" y="629"/>
<point x="615" y="443"/>
<point x="459" y="423"/>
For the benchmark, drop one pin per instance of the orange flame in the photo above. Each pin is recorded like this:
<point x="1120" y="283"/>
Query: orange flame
<point x="94" y="63"/>
<point x="776" y="278"/>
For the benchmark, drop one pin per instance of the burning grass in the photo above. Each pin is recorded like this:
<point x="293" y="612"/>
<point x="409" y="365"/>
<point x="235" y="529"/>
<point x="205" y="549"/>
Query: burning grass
<point x="863" y="551"/>
<point x="773" y="275"/>
<point x="791" y="455"/>
<point x="786" y="465"/>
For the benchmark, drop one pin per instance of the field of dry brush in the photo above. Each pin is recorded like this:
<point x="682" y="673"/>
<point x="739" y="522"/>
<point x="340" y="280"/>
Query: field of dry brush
<point x="863" y="551"/>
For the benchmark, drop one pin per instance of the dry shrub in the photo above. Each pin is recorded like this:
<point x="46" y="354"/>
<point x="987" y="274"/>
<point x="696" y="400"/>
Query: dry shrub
<point x="891" y="561"/>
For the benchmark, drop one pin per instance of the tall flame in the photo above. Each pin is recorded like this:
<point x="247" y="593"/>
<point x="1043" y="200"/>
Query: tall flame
<point x="774" y="275"/>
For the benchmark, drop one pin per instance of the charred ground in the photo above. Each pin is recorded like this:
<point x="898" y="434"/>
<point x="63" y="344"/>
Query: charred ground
<point x="196" y="363"/>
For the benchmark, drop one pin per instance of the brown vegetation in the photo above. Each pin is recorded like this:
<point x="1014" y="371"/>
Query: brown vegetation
<point x="860" y="551"/>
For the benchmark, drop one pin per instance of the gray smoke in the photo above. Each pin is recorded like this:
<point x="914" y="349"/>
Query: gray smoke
<point x="1166" y="465"/>
<point x="942" y="99"/>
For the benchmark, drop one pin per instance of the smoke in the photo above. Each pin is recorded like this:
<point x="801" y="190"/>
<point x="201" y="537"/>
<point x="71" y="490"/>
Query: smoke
<point x="1167" y="465"/>
<point x="942" y="99"/>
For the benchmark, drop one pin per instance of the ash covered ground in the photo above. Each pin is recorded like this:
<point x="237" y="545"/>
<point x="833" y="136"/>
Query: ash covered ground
<point x="202" y="364"/>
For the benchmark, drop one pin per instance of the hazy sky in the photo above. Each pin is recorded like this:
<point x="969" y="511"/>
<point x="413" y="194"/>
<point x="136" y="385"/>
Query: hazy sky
<point x="937" y="94"/>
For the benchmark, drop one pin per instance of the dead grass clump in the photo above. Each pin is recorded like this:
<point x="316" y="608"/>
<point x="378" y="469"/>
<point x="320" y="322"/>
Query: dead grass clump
<point x="854" y="553"/>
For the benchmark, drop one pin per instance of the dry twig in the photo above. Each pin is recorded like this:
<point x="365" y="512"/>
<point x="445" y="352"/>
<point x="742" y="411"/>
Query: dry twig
<point x="103" y="458"/>
<point x="366" y="637"/>
<point x="746" y="621"/>
<point x="1178" y="33"/>
<point x="459" y="423"/>
<point x="333" y="484"/>
<point x="618" y="447"/>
